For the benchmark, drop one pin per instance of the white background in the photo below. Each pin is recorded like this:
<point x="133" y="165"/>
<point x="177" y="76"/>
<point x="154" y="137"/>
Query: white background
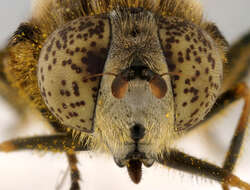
<point x="31" y="170"/>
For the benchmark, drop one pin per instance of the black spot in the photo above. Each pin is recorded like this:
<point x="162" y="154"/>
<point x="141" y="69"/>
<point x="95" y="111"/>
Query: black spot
<point x="194" y="99"/>
<point x="95" y="63"/>
<point x="75" y="89"/>
<point x="58" y="44"/>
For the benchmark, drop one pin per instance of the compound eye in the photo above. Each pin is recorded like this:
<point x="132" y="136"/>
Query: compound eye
<point x="74" y="51"/>
<point x="192" y="53"/>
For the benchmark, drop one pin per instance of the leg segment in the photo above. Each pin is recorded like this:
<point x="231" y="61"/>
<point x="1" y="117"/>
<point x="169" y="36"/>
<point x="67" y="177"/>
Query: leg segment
<point x="55" y="143"/>
<point x="236" y="143"/>
<point x="75" y="174"/>
<point x="181" y="161"/>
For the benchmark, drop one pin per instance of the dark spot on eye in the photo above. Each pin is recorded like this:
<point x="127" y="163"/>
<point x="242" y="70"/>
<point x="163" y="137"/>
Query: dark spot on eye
<point x="194" y="99"/>
<point x="198" y="60"/>
<point x="82" y="103"/>
<point x="184" y="104"/>
<point x="63" y="82"/>
<point x="207" y="70"/>
<point x="195" y="112"/>
<point x="64" y="106"/>
<point x="85" y="36"/>
<point x="210" y="78"/>
<point x="83" y="50"/>
<point x="78" y="70"/>
<point x="93" y="44"/>
<point x="46" y="57"/>
<point x="52" y="109"/>
<point x="79" y="36"/>
<point x="171" y="66"/>
<point x="188" y="57"/>
<point x="59" y="110"/>
<point x="206" y="90"/>
<point x="84" y="25"/>
<point x="75" y="114"/>
<point x="180" y="53"/>
<point x="186" y="90"/>
<point x="95" y="63"/>
<point x="67" y="93"/>
<point x="75" y="89"/>
<point x="82" y="120"/>
<point x="84" y="60"/>
<point x="168" y="46"/>
<point x="62" y="92"/>
<point x="73" y="66"/>
<point x="58" y="44"/>
<point x="170" y="40"/>
<point x="168" y="54"/>
<point x="197" y="73"/>
<point x="72" y="105"/>
<point x="54" y="61"/>
<point x="70" y="114"/>
<point x="49" y="93"/>
<point x="64" y="63"/>
<point x="187" y="37"/>
<point x="187" y="81"/>
<point x="49" y="67"/>
<point x="194" y="90"/>
<point x="180" y="59"/>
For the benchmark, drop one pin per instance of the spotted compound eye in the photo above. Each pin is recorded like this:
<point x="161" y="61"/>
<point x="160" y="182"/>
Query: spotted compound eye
<point x="71" y="53"/>
<point x="190" y="52"/>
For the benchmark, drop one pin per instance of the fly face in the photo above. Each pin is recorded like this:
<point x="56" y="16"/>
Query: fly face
<point x="167" y="74"/>
<point x="126" y="77"/>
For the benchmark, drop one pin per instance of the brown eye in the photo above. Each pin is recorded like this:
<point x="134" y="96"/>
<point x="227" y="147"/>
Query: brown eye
<point x="71" y="53"/>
